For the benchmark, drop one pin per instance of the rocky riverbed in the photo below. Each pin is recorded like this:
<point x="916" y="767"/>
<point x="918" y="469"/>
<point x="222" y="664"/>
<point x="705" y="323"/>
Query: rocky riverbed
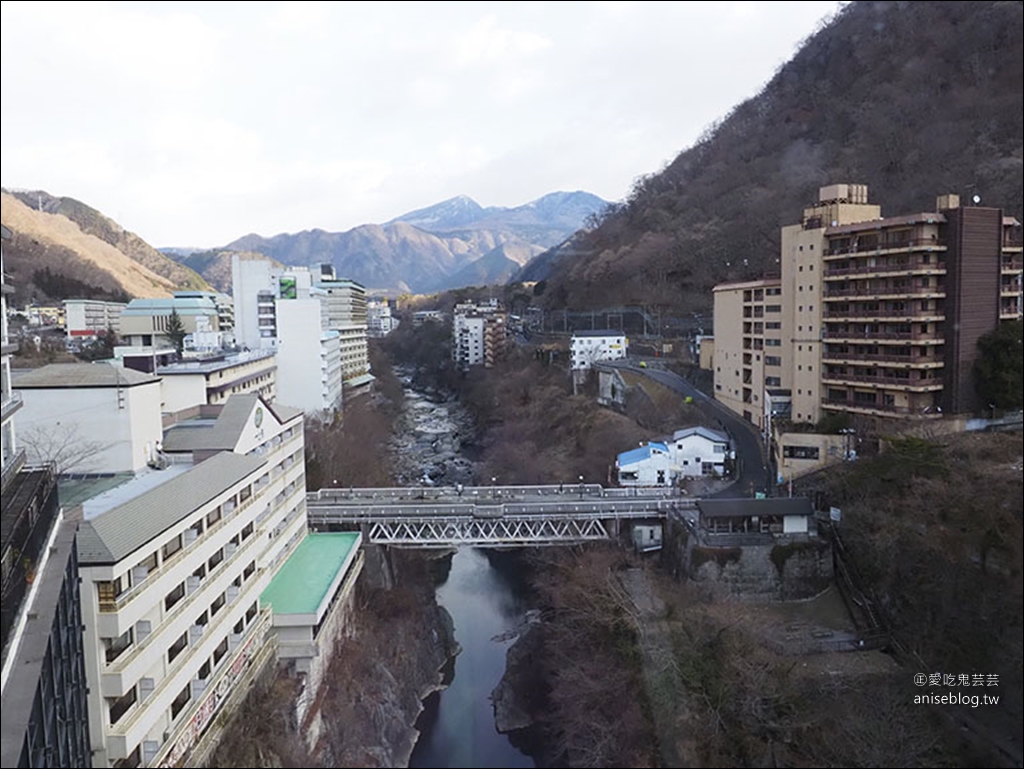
<point x="427" y="447"/>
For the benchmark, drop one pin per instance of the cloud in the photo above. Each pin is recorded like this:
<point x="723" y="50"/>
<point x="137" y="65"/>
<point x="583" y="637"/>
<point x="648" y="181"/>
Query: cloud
<point x="486" y="43"/>
<point x="198" y="122"/>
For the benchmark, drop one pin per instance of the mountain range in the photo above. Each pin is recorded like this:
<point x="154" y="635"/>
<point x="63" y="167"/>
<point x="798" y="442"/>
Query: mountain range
<point x="61" y="248"/>
<point x="451" y="244"/>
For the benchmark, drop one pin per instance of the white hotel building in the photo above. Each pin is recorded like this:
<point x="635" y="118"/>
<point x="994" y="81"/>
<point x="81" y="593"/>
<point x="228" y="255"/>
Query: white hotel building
<point x="280" y="309"/>
<point x="172" y="566"/>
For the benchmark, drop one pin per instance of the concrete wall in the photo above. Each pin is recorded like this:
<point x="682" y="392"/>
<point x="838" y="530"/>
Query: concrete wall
<point x="298" y="354"/>
<point x="780" y="569"/>
<point x="122" y="428"/>
<point x="182" y="391"/>
<point x="830" y="449"/>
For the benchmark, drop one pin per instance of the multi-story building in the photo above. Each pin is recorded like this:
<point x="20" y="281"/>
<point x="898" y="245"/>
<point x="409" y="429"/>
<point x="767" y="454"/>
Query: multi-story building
<point x="748" y="345"/>
<point x="212" y="380"/>
<point x="225" y="307"/>
<point x="10" y="401"/>
<point x="343" y="306"/>
<point x="144" y="322"/>
<point x="42" y="683"/>
<point x="589" y="347"/>
<point x="879" y="316"/>
<point x="379" y="320"/>
<point x="90" y="417"/>
<point x="86" y="319"/>
<point x="172" y="566"/>
<point x="281" y="309"/>
<point x="479" y="334"/>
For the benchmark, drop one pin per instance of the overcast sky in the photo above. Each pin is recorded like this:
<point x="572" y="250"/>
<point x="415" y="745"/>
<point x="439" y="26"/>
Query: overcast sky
<point x="193" y="124"/>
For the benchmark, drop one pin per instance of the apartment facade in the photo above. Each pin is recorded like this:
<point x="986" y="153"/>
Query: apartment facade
<point x="479" y="334"/>
<point x="90" y="318"/>
<point x="172" y="566"/>
<point x="283" y="310"/>
<point x="748" y="349"/>
<point x="211" y="381"/>
<point x="42" y="673"/>
<point x="89" y="417"/>
<point x="379" y="319"/>
<point x="879" y="316"/>
<point x="343" y="304"/>
<point x="589" y="347"/>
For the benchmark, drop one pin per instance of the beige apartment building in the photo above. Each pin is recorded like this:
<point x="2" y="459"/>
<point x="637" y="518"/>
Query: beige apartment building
<point x="870" y="315"/>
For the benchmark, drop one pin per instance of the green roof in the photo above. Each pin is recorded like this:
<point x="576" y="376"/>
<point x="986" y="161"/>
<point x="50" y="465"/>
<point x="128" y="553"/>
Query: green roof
<point x="302" y="585"/>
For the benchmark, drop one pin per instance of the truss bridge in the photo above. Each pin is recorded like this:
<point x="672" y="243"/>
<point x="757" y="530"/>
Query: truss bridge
<point x="491" y="516"/>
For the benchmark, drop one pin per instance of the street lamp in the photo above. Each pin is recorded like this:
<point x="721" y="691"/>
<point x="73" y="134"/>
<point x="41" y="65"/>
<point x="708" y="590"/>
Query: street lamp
<point x="581" y="487"/>
<point x="494" y="485"/>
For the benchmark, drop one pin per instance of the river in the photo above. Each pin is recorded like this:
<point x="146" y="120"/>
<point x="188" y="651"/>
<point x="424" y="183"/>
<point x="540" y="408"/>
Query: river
<point x="481" y="592"/>
<point x="457" y="725"/>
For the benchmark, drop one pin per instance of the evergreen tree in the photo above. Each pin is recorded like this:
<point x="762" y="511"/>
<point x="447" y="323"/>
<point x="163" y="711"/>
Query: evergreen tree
<point x="176" y="331"/>
<point x="998" y="374"/>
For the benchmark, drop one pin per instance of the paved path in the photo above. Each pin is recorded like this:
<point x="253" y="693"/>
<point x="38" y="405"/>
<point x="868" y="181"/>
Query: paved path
<point x="754" y="473"/>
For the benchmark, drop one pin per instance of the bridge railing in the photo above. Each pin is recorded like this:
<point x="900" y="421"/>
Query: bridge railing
<point x="426" y="493"/>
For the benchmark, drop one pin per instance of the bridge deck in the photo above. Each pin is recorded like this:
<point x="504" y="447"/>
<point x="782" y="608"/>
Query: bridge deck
<point x="492" y="515"/>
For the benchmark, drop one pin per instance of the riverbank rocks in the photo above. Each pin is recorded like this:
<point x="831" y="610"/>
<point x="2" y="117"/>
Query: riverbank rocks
<point x="428" y="441"/>
<point x="517" y="696"/>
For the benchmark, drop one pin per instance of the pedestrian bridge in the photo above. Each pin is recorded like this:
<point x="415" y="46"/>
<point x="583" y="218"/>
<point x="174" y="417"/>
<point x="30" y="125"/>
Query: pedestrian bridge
<point x="490" y="516"/>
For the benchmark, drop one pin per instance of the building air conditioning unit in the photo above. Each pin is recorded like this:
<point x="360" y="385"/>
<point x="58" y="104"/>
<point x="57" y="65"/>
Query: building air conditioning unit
<point x="149" y="750"/>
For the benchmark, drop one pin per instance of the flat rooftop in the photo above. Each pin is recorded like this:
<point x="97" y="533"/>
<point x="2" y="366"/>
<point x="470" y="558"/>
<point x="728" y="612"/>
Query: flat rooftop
<point x="210" y="365"/>
<point x="306" y="582"/>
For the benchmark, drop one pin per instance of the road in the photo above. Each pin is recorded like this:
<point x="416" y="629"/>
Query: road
<point x="754" y="473"/>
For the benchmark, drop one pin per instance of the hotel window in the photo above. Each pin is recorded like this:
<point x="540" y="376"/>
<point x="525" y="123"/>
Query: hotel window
<point x="177" y="647"/>
<point x="121" y="705"/>
<point x="172" y="547"/>
<point x="174" y="596"/>
<point x="181" y="700"/>
<point x="117" y="646"/>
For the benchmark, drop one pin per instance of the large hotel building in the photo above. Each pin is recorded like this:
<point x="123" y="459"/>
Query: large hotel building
<point x="869" y="315"/>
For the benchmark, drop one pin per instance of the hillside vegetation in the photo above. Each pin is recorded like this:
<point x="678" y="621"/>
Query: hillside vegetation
<point x="52" y="243"/>
<point x="92" y="222"/>
<point x="912" y="99"/>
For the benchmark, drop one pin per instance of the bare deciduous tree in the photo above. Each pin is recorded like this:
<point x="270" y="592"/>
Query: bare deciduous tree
<point x="61" y="444"/>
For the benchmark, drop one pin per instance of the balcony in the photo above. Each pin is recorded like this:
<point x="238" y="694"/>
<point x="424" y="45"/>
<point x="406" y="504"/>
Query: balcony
<point x="883" y="409"/>
<point x="932" y="361"/>
<point x="902" y="383"/>
<point x="934" y="292"/>
<point x="254" y="649"/>
<point x="899" y="268"/>
<point x="10" y="405"/>
<point x="125" y="597"/>
<point x="924" y="244"/>
<point x="933" y="315"/>
<point x="872" y="336"/>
